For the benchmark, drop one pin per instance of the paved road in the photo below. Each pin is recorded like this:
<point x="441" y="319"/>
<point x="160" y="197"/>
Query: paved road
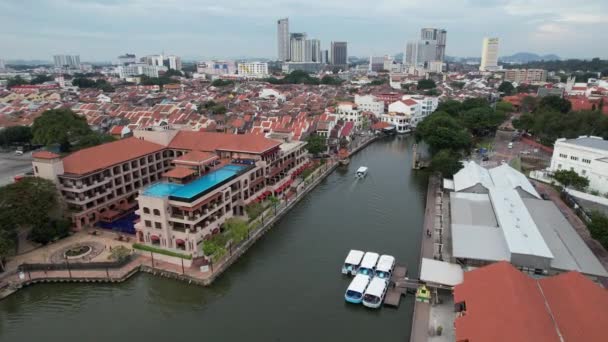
<point x="12" y="165"/>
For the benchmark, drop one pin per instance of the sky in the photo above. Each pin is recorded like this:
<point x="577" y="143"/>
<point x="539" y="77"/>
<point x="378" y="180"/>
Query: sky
<point x="100" y="30"/>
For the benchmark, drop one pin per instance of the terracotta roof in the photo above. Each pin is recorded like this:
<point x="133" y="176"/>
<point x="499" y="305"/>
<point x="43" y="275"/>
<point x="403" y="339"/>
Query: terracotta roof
<point x="45" y="155"/>
<point x="503" y="304"/>
<point x="210" y="142"/>
<point x="409" y="102"/>
<point x="179" y="172"/>
<point x="196" y="157"/>
<point x="116" y="130"/>
<point x="98" y="157"/>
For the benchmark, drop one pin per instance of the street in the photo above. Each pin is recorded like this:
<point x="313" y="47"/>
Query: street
<point x="12" y="165"/>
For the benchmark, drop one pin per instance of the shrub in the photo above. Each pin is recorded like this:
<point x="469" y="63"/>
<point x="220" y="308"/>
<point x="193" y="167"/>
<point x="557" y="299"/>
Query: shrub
<point x="119" y="253"/>
<point x="161" y="251"/>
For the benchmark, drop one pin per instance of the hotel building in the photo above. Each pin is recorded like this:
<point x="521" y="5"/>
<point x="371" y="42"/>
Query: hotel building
<point x="184" y="183"/>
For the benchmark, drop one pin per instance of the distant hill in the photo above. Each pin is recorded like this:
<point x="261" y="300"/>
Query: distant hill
<point x="527" y="57"/>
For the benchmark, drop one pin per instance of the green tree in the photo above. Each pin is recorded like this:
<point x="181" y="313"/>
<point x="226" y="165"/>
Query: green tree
<point x="83" y="82"/>
<point x="50" y="231"/>
<point x="92" y="139"/>
<point x="451" y="107"/>
<point x="328" y="80"/>
<point x="173" y="72"/>
<point x="379" y="81"/>
<point x="504" y="107"/>
<point x="446" y="162"/>
<point x="506" y="88"/>
<point x="457" y="84"/>
<point x="41" y="79"/>
<point x="221" y="83"/>
<point x="569" y="178"/>
<point x="119" y="253"/>
<point x="556" y="103"/>
<point x="28" y="202"/>
<point x="598" y="227"/>
<point x="474" y="103"/>
<point x="316" y="144"/>
<point x="59" y="126"/>
<point x="7" y="246"/>
<point x="426" y="84"/>
<point x="441" y="131"/>
<point x="16" y="81"/>
<point x="15" y="135"/>
<point x="529" y="104"/>
<point x="482" y="120"/>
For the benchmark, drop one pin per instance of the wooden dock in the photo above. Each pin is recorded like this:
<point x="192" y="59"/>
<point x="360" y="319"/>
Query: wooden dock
<point x="394" y="293"/>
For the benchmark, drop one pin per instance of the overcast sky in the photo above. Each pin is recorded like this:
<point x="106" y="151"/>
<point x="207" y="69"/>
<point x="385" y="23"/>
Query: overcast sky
<point x="99" y="30"/>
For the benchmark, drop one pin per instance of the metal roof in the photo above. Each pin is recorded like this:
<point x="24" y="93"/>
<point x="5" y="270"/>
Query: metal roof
<point x="354" y="257"/>
<point x="385" y="263"/>
<point x="569" y="250"/>
<point x="588" y="141"/>
<point x="359" y="283"/>
<point x="369" y="260"/>
<point x="441" y="272"/>
<point x="479" y="242"/>
<point x="376" y="287"/>
<point x="470" y="175"/>
<point x="472" y="209"/>
<point x="503" y="177"/>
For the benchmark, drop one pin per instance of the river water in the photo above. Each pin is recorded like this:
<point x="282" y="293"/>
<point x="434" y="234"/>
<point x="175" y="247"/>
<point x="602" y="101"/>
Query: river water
<point x="287" y="287"/>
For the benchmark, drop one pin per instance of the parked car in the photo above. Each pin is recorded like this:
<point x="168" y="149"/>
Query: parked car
<point x="18" y="153"/>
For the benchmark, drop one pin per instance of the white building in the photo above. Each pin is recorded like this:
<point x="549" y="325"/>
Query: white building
<point x="2" y="66"/>
<point x="348" y="111"/>
<point x="173" y="62"/>
<point x="401" y="121"/>
<point x="216" y="67"/>
<point x="283" y="39"/>
<point x="70" y="61"/>
<point x="312" y="50"/>
<point x="269" y="93"/>
<point x="587" y="156"/>
<point x="126" y="71"/>
<point x="126" y="59"/>
<point x="369" y="103"/>
<point x="156" y="60"/>
<point x="489" y="55"/>
<point x="420" y="53"/>
<point x="297" y="47"/>
<point x="253" y="69"/>
<point x="428" y="104"/>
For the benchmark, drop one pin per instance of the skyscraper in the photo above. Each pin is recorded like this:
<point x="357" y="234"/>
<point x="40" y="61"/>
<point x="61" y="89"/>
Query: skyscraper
<point x="338" y="53"/>
<point x="312" y="51"/>
<point x="489" y="54"/>
<point x="439" y="35"/>
<point x="70" y="61"/>
<point x="420" y="53"/>
<point x="297" y="47"/>
<point x="283" y="44"/>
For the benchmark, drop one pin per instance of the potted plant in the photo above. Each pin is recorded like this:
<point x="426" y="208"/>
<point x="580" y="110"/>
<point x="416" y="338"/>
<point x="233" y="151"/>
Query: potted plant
<point x="439" y="330"/>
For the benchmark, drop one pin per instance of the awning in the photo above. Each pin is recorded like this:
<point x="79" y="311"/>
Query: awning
<point x="180" y="242"/>
<point x="440" y="272"/>
<point x="154" y="238"/>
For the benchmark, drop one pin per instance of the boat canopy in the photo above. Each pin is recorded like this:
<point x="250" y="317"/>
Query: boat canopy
<point x="376" y="287"/>
<point x="369" y="260"/>
<point x="359" y="284"/>
<point x="385" y="263"/>
<point x="354" y="257"/>
<point x="362" y="169"/>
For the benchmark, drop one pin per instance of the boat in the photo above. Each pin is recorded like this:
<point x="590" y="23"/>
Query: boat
<point x="368" y="264"/>
<point x="344" y="161"/>
<point x="361" y="172"/>
<point x="375" y="292"/>
<point x="385" y="266"/>
<point x="354" y="292"/>
<point x="351" y="264"/>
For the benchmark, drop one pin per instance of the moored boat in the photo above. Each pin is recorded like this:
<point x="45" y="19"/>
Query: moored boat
<point x="354" y="292"/>
<point x="368" y="264"/>
<point x="361" y="172"/>
<point x="375" y="292"/>
<point x="385" y="266"/>
<point x="352" y="262"/>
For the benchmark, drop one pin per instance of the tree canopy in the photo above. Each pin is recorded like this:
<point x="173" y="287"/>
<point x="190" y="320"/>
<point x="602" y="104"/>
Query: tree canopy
<point x="331" y="80"/>
<point x="83" y="82"/>
<point x="41" y="79"/>
<point x="554" y="103"/>
<point x="315" y="144"/>
<point x="426" y="84"/>
<point x="295" y="77"/>
<point x="506" y="88"/>
<point x="221" y="83"/>
<point x="16" y="81"/>
<point x="569" y="178"/>
<point x="59" y="126"/>
<point x="598" y="227"/>
<point x="446" y="162"/>
<point x="442" y="131"/>
<point x="15" y="135"/>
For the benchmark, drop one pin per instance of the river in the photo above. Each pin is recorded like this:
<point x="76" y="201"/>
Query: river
<point x="287" y="287"/>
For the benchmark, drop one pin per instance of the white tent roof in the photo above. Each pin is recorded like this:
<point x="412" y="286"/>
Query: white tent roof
<point x="501" y="177"/>
<point x="440" y="272"/>
<point x="506" y="177"/>
<point x="470" y="175"/>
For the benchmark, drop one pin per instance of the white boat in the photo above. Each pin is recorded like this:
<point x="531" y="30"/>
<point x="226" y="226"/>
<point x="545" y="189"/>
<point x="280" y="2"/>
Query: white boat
<point x="375" y="292"/>
<point x="361" y="172"/>
<point x="354" y="292"/>
<point x="385" y="266"/>
<point x="351" y="264"/>
<point x="368" y="264"/>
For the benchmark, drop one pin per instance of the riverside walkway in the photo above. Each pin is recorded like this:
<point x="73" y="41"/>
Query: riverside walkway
<point x="420" y="320"/>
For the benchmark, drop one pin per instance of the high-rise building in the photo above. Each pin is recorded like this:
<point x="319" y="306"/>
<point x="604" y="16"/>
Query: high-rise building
<point x="376" y="63"/>
<point x="338" y="53"/>
<point x="126" y="59"/>
<point x="2" y="66"/>
<point x="420" y="53"/>
<point x="156" y="60"/>
<point x="526" y="75"/>
<point x="283" y="44"/>
<point x="325" y="56"/>
<point x="173" y="62"/>
<point x="312" y="51"/>
<point x="439" y="35"/>
<point x="297" y="43"/>
<point x="489" y="55"/>
<point x="69" y="61"/>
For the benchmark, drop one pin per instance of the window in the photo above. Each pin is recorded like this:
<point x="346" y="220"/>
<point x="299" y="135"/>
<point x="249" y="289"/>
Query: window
<point x="586" y="161"/>
<point x="146" y="210"/>
<point x="559" y="166"/>
<point x="574" y="158"/>
<point x="157" y="225"/>
<point x="584" y="172"/>
<point x="148" y="223"/>
<point x="36" y="169"/>
<point x="561" y="155"/>
<point x="156" y="212"/>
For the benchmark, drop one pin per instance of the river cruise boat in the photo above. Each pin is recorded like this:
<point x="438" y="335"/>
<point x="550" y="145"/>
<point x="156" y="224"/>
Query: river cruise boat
<point x="352" y="262"/>
<point x="375" y="292"/>
<point x="385" y="266"/>
<point x="361" y="172"/>
<point x="354" y="292"/>
<point x="368" y="264"/>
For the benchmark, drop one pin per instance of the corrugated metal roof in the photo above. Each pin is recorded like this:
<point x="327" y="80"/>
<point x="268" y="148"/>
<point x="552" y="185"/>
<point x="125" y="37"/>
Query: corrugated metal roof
<point x="589" y="141"/>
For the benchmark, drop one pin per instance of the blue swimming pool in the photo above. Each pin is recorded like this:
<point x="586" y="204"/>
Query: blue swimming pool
<point x="195" y="188"/>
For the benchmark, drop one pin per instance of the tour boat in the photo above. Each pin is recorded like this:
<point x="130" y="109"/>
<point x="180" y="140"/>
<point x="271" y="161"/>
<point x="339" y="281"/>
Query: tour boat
<point x="375" y="292"/>
<point x="361" y="172"/>
<point x="368" y="264"/>
<point x="385" y="266"/>
<point x="354" y="292"/>
<point x="351" y="264"/>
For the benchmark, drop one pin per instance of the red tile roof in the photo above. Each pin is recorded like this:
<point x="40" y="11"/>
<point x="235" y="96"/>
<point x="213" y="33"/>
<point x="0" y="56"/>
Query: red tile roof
<point x="98" y="157"/>
<point x="45" y="155"/>
<point x="409" y="102"/>
<point x="503" y="304"/>
<point x="196" y="157"/>
<point x="211" y="142"/>
<point x="116" y="130"/>
<point x="179" y="172"/>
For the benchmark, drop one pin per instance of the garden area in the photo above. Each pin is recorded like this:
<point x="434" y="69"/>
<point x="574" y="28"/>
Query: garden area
<point x="233" y="231"/>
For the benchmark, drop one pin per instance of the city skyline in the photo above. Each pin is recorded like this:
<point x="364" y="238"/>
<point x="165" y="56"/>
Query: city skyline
<point x="540" y="26"/>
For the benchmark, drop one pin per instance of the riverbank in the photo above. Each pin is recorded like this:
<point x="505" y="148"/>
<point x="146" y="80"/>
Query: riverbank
<point x="15" y="280"/>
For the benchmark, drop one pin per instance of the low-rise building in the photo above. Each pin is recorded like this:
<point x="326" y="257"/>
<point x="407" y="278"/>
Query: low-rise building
<point x="587" y="156"/>
<point x="401" y="121"/>
<point x="348" y="111"/>
<point x="253" y="69"/>
<point x="369" y="103"/>
<point x="126" y="71"/>
<point x="525" y="75"/>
